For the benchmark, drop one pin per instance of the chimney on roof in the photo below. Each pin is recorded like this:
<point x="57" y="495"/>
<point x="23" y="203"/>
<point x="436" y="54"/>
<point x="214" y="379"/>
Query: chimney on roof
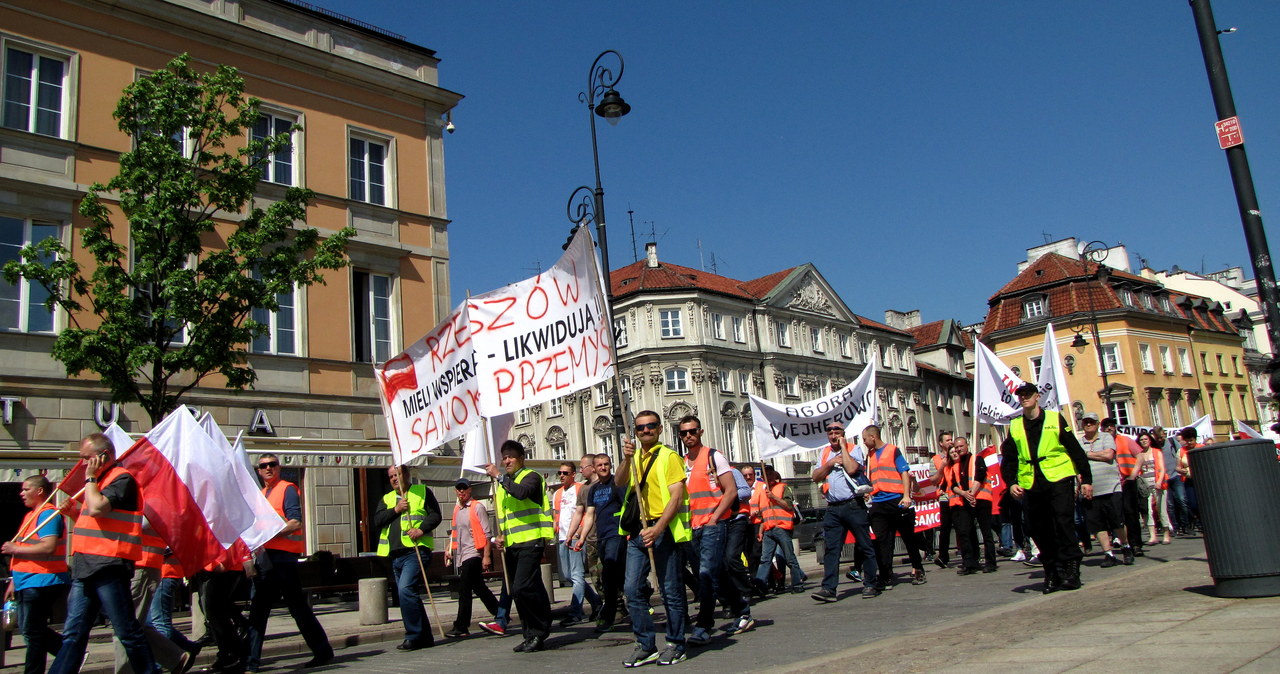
<point x="651" y="255"/>
<point x="902" y="320"/>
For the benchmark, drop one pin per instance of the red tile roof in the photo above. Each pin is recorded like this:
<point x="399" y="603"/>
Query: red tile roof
<point x="639" y="276"/>
<point x="879" y="326"/>
<point x="1053" y="268"/>
<point x="926" y="334"/>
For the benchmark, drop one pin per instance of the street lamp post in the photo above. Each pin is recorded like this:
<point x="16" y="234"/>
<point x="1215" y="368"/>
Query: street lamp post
<point x="1096" y="252"/>
<point x="586" y="205"/>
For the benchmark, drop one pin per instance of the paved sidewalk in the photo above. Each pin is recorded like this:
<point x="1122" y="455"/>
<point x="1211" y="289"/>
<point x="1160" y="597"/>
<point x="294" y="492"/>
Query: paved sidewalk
<point x="1163" y="617"/>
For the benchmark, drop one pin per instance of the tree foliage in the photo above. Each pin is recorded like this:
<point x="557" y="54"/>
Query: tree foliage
<point x="172" y="295"/>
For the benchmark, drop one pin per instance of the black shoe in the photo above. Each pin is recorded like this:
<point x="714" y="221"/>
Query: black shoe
<point x="570" y="621"/>
<point x="1128" y="556"/>
<point x="408" y="645"/>
<point x="989" y="568"/>
<point x="928" y="557"/>
<point x="1052" y="578"/>
<point x="966" y="570"/>
<point x="457" y="633"/>
<point x="824" y="595"/>
<point x="941" y="561"/>
<point x="1139" y="552"/>
<point x="319" y="660"/>
<point x="1108" y="561"/>
<point x="870" y="593"/>
<point x="529" y="645"/>
<point x="1071" y="575"/>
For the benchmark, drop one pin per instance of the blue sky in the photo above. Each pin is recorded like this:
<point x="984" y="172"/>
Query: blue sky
<point x="911" y="150"/>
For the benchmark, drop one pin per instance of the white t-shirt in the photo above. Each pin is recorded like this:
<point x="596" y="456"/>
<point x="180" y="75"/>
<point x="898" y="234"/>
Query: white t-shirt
<point x="568" y="503"/>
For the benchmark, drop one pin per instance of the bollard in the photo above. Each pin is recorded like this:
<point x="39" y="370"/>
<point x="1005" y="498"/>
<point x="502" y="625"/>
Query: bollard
<point x="546" y="581"/>
<point x="373" y="601"/>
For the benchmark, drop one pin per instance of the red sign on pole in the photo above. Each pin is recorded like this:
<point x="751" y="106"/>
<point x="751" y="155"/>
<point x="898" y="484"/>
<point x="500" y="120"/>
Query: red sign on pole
<point x="1229" y="132"/>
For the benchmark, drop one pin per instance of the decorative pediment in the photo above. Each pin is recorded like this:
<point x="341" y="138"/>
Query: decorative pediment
<point x="812" y="297"/>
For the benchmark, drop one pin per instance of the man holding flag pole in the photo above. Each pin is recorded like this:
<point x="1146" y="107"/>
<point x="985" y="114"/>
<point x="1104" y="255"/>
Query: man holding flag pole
<point x="405" y="518"/>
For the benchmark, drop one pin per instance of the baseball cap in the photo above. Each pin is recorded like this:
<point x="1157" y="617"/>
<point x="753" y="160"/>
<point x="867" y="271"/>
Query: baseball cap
<point x="1089" y="416"/>
<point x="462" y="483"/>
<point x="1026" y="389"/>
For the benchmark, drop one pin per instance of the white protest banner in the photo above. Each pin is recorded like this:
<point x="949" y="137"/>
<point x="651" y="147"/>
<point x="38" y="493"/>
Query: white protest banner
<point x="543" y="337"/>
<point x="993" y="387"/>
<point x="1248" y="431"/>
<point x="928" y="509"/>
<point x="476" y="449"/>
<point x="1052" y="382"/>
<point x="429" y="393"/>
<point x="1204" y="428"/>
<point x="789" y="429"/>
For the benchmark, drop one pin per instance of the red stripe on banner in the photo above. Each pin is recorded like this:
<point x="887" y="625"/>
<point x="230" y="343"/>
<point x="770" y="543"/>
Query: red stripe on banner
<point x="170" y="508"/>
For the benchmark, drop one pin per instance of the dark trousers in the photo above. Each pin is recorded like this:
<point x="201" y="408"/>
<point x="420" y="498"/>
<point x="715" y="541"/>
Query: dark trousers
<point x="471" y="582"/>
<point x="851" y="517"/>
<point x="524" y="562"/>
<point x="613" y="570"/>
<point x="754" y="543"/>
<point x="1051" y="519"/>
<point x="1132" y="520"/>
<point x="986" y="525"/>
<point x="963" y="517"/>
<point x="217" y="591"/>
<point x="281" y="581"/>
<point x="735" y="543"/>
<point x="35" y="609"/>
<point x="945" y="525"/>
<point x="886" y="520"/>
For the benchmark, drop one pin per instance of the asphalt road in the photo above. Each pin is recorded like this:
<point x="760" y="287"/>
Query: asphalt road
<point x="790" y="630"/>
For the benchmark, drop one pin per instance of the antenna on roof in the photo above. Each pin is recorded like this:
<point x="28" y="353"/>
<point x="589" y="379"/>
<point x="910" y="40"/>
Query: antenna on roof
<point x="635" y="256"/>
<point x="1047" y="237"/>
<point x="714" y="267"/>
<point x="702" y="263"/>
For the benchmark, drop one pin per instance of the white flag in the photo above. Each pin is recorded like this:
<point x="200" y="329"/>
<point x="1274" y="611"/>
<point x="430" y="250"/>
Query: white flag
<point x="1052" y="382"/>
<point x="430" y="394"/>
<point x="1248" y="430"/>
<point x="267" y="522"/>
<point x="789" y="429"/>
<point x="993" y="388"/>
<point x="476" y="452"/>
<point x="543" y="337"/>
<point x="1204" y="428"/>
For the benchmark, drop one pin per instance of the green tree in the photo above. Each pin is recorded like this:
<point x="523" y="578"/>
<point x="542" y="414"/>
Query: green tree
<point x="169" y="300"/>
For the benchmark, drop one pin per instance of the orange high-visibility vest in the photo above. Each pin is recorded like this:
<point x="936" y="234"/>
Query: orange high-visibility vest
<point x="172" y="568"/>
<point x="555" y="504"/>
<point x="153" y="549"/>
<point x="1162" y="473"/>
<point x="704" y="490"/>
<point x="757" y="502"/>
<point x="477" y="529"/>
<point x="1127" y="451"/>
<point x="115" y="534"/>
<point x="883" y="470"/>
<point x="987" y="490"/>
<point x="54" y="562"/>
<point x="284" y="542"/>
<point x="776" y="515"/>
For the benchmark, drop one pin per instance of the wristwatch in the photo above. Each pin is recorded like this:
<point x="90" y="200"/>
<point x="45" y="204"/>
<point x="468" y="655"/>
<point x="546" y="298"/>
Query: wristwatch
<point x="91" y="479"/>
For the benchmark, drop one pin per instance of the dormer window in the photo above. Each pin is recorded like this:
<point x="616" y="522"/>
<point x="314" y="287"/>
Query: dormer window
<point x="1033" y="307"/>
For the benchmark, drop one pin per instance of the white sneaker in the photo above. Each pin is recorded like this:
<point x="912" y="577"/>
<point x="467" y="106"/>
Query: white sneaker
<point x="1020" y="556"/>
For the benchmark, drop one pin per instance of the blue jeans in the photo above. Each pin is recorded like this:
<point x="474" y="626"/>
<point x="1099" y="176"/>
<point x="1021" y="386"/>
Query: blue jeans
<point x="572" y="568"/>
<point x="706" y="558"/>
<point x="404" y="568"/>
<point x="1178" y="503"/>
<point x="35" y="606"/>
<point x="666" y="556"/>
<point x="159" y="616"/>
<point x="850" y="516"/>
<point x="778" y="540"/>
<point x="106" y="591"/>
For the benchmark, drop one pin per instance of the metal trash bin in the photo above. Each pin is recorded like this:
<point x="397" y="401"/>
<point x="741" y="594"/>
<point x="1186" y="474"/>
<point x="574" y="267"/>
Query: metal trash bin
<point x="1238" y="488"/>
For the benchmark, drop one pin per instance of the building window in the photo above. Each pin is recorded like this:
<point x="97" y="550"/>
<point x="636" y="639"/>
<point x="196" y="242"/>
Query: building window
<point x="726" y="382"/>
<point x="555" y="408"/>
<point x="1126" y="296"/>
<point x="1166" y="359"/>
<point x="815" y="338"/>
<point x="717" y="326"/>
<point x="677" y="380"/>
<point x="281" y="336"/>
<point x="626" y="389"/>
<point x="1165" y="305"/>
<point x="278" y="167"/>
<point x="1222" y="369"/>
<point x="522" y="415"/>
<point x="371" y="308"/>
<point x="1184" y="359"/>
<point x="1147" y="302"/>
<point x="783" y="331"/>
<point x="1035" y="367"/>
<point x="367" y="170"/>
<point x="1144" y="353"/>
<point x="605" y="444"/>
<point x="1033" y="307"/>
<point x="619" y="332"/>
<point x="1235" y="365"/>
<point x="1111" y="358"/>
<point x="1175" y="413"/>
<point x="22" y="303"/>
<point x="1120" y="411"/>
<point x="602" y="395"/>
<point x="792" y="386"/>
<point x="558" y="451"/>
<point x="864" y="352"/>
<point x="35" y="91"/>
<point x="886" y="357"/>
<point x="1155" y="412"/>
<point x="1193" y="404"/>
<point x="669" y="322"/>
<point x="844" y="346"/>
<point x="739" y="331"/>
<point x="1204" y="362"/>
<point x="744" y="382"/>
<point x="730" y="429"/>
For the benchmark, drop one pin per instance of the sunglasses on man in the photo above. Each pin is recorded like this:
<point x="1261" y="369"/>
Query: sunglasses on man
<point x="268" y="464"/>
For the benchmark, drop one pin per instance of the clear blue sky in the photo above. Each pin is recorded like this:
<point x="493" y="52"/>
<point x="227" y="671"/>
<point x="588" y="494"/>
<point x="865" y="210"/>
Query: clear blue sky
<point x="912" y="151"/>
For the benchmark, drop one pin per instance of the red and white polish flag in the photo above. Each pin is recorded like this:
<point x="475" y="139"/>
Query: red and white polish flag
<point x="189" y="489"/>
